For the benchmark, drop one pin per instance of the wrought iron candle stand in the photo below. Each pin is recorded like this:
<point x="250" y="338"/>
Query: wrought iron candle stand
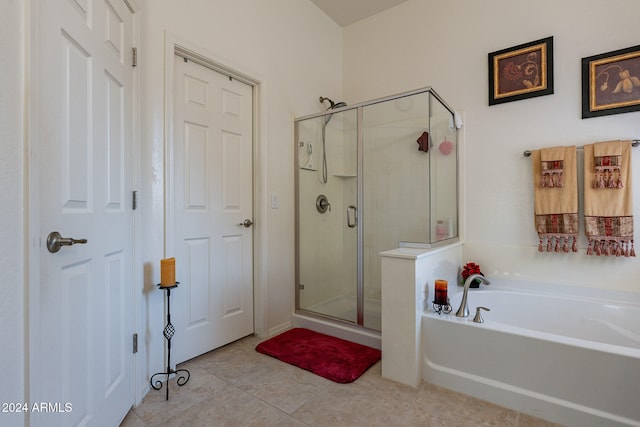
<point x="183" y="375"/>
<point x="442" y="308"/>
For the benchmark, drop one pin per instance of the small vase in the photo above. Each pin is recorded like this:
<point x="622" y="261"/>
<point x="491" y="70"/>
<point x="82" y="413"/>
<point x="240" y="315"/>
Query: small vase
<point x="475" y="283"/>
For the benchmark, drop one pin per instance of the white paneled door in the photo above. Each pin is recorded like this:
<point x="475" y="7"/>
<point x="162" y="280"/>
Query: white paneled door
<point x="81" y="309"/>
<point x="212" y="209"/>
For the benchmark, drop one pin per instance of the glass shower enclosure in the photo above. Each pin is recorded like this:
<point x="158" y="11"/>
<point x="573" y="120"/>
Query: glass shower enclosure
<point x="369" y="178"/>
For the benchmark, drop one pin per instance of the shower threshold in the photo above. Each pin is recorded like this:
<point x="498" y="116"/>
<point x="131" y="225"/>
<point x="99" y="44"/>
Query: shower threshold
<point x="337" y="328"/>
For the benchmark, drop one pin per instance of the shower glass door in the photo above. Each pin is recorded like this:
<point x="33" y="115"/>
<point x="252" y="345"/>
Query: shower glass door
<point x="327" y="215"/>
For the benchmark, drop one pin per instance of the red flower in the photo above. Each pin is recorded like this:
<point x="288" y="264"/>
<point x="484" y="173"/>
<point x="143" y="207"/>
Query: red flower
<point x="469" y="269"/>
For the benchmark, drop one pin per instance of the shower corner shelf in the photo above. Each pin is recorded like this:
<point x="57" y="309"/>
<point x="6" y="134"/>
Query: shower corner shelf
<point x="345" y="175"/>
<point x="308" y="169"/>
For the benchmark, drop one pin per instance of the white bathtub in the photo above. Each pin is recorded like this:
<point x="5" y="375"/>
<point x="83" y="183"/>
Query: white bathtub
<point x="566" y="354"/>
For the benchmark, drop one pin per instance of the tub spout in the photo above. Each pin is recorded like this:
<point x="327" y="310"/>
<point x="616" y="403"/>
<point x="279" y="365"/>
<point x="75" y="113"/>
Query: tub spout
<point x="463" y="311"/>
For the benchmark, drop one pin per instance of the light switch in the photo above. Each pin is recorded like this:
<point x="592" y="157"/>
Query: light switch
<point x="275" y="201"/>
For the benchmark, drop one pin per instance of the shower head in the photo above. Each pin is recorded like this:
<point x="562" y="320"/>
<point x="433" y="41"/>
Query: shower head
<point x="333" y="105"/>
<point x="322" y="99"/>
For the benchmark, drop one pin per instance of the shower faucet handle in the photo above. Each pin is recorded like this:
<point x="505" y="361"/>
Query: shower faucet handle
<point x="322" y="204"/>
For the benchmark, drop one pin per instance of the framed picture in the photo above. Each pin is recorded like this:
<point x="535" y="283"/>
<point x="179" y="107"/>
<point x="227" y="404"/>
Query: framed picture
<point x="611" y="83"/>
<point x="520" y="72"/>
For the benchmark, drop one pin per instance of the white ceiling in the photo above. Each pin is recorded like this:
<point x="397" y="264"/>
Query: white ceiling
<point x="346" y="12"/>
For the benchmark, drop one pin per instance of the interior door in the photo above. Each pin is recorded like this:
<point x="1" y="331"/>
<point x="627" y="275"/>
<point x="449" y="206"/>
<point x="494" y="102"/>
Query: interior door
<point x="82" y="311"/>
<point x="213" y="209"/>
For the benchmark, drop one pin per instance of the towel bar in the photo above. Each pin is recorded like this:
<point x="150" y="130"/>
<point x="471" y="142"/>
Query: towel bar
<point x="634" y="143"/>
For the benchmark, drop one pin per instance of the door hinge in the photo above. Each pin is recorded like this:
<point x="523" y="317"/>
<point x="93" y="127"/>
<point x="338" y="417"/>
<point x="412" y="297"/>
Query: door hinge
<point x="134" y="56"/>
<point x="135" y="343"/>
<point x="134" y="200"/>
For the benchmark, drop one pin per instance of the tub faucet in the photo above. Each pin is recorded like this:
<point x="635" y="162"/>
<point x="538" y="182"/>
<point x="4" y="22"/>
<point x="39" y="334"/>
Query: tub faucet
<point x="463" y="311"/>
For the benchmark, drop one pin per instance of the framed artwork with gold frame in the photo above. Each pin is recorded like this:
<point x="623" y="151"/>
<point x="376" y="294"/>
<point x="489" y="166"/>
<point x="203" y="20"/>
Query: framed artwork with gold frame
<point x="522" y="71"/>
<point x="611" y="82"/>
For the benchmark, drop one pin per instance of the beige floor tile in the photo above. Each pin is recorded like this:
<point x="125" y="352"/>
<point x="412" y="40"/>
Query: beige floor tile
<point x="369" y="401"/>
<point x="237" y="386"/>
<point x="438" y="406"/>
<point x="525" y="420"/>
<point x="132" y="420"/>
<point x="230" y="407"/>
<point x="285" y="387"/>
<point x="231" y="363"/>
<point x="155" y="407"/>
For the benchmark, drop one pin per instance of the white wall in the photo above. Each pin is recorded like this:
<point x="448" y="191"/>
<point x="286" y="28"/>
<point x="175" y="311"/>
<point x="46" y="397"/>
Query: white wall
<point x="295" y="51"/>
<point x="444" y="44"/>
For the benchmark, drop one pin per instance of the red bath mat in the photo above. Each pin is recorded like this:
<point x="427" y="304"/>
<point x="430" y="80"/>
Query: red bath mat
<point x="332" y="358"/>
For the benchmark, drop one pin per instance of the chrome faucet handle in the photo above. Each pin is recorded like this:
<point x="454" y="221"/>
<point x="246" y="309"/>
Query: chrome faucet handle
<point x="478" y="318"/>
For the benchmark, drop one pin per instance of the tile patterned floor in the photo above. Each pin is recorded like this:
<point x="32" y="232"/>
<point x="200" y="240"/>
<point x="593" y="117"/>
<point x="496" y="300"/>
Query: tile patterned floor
<point x="237" y="386"/>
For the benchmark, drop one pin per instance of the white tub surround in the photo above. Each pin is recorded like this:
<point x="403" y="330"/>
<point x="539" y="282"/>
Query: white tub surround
<point x="408" y="276"/>
<point x="570" y="355"/>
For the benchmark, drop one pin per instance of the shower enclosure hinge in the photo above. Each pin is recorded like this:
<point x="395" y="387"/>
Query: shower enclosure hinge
<point x="134" y="56"/>
<point x="134" y="200"/>
<point x="135" y="343"/>
<point x="300" y="286"/>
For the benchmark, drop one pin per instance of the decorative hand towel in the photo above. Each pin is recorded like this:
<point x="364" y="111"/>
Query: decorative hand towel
<point x="607" y="159"/>
<point x="552" y="160"/>
<point x="423" y="142"/>
<point x="556" y="207"/>
<point x="608" y="210"/>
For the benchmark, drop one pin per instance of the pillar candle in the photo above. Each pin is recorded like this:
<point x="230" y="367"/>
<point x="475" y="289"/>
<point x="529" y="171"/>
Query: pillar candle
<point x="167" y="272"/>
<point x="441" y="292"/>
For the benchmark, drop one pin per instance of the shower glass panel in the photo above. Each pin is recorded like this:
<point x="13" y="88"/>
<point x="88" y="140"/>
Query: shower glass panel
<point x="395" y="187"/>
<point x="443" y="174"/>
<point x="370" y="177"/>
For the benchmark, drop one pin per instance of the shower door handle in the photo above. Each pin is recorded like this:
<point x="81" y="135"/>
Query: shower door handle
<point x="352" y="209"/>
